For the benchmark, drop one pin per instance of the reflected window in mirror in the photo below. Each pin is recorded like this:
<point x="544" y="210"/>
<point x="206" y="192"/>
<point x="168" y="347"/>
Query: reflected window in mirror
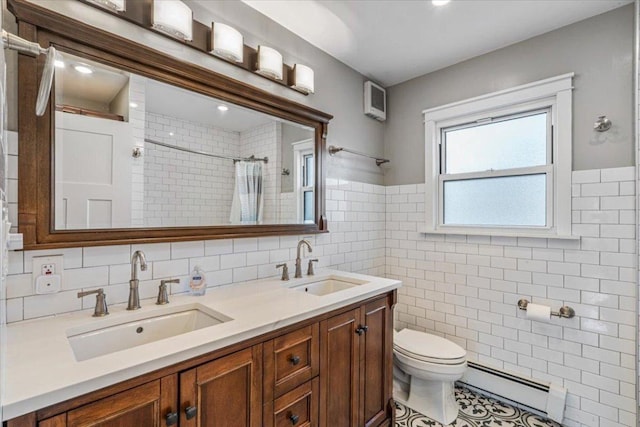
<point x="304" y="174"/>
<point x="131" y="152"/>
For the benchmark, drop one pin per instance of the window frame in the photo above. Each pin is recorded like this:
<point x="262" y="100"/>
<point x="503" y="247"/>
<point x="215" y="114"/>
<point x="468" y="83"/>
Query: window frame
<point x="300" y="150"/>
<point x="553" y="94"/>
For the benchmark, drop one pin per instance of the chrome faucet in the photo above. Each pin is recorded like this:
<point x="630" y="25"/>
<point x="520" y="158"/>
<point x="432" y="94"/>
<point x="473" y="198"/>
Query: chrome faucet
<point x="134" y="296"/>
<point x="298" y="260"/>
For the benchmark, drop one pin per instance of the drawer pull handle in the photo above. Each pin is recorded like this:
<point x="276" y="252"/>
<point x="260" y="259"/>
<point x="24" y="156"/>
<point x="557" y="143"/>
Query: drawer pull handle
<point x="362" y="329"/>
<point x="294" y="419"/>
<point x="191" y="412"/>
<point x="171" y="418"/>
<point x="295" y="360"/>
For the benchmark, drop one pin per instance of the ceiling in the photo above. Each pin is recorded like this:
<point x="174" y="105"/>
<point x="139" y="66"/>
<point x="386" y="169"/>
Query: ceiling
<point x="391" y="41"/>
<point x="98" y="89"/>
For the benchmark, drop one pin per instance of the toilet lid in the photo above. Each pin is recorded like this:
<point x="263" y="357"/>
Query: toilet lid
<point x="428" y="347"/>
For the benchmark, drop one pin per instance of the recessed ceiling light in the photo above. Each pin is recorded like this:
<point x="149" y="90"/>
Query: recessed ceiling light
<point x="83" y="69"/>
<point x="223" y="107"/>
<point x="170" y="133"/>
<point x="439" y="2"/>
<point x="133" y="105"/>
<point x="58" y="63"/>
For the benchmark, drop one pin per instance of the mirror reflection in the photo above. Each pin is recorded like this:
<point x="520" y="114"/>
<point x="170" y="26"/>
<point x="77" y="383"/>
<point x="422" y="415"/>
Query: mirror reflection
<point x="135" y="152"/>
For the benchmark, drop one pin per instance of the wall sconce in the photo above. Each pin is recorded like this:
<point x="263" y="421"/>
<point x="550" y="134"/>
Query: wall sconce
<point x="269" y="63"/>
<point x="227" y="42"/>
<point x="174" y="18"/>
<point x="112" y="5"/>
<point x="302" y="79"/>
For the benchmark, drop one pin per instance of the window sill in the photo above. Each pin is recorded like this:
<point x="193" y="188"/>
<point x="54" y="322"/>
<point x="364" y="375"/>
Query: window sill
<point x="496" y="233"/>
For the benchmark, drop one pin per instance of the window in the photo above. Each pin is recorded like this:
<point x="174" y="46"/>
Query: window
<point x="500" y="164"/>
<point x="304" y="175"/>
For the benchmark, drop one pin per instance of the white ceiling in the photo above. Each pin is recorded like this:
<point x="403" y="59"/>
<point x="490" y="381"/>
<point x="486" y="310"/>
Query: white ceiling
<point x="103" y="85"/>
<point x="172" y="101"/>
<point x="391" y="41"/>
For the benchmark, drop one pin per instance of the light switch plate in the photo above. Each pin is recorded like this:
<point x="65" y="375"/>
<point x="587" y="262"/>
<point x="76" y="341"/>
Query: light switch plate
<point x="53" y="264"/>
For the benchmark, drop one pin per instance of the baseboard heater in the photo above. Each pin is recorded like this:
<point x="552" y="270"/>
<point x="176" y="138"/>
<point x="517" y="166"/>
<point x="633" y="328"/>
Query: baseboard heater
<point x="544" y="398"/>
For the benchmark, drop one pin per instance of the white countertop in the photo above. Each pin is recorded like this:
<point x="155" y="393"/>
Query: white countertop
<point x="41" y="368"/>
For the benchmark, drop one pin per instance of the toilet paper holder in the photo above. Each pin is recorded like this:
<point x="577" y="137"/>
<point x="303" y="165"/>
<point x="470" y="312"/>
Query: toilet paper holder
<point x="565" y="311"/>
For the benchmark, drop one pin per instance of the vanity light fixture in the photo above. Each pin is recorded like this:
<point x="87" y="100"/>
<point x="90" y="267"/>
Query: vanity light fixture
<point x="174" y="18"/>
<point x="302" y="79"/>
<point x="83" y="69"/>
<point x="223" y="108"/>
<point x="227" y="42"/>
<point x="113" y="5"/>
<point x="269" y="62"/>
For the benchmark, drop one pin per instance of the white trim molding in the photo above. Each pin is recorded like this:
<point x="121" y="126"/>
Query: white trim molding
<point x="553" y="93"/>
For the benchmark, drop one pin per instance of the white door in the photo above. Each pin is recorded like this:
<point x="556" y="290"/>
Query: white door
<point x="93" y="172"/>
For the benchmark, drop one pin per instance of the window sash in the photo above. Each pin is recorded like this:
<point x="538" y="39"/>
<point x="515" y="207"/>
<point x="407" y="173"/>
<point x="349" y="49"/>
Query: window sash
<point x="548" y="110"/>
<point x="547" y="170"/>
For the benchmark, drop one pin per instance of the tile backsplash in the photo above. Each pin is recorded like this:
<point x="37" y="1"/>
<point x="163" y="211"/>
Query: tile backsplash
<point x="356" y="214"/>
<point x="466" y="288"/>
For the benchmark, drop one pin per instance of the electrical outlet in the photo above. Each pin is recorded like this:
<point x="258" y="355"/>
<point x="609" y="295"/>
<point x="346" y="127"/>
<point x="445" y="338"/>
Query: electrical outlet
<point x="47" y="273"/>
<point x="48" y="284"/>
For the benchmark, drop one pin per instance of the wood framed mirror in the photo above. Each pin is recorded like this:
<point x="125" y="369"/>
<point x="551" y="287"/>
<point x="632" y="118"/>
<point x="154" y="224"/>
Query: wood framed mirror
<point x="51" y="146"/>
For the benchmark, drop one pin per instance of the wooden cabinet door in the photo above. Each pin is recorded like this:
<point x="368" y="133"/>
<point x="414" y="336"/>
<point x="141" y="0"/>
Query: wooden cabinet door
<point x="340" y="350"/>
<point x="226" y="392"/>
<point x="140" y="406"/>
<point x="376" y="362"/>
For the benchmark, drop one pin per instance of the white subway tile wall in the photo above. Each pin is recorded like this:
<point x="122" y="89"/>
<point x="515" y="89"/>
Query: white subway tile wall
<point x="356" y="243"/>
<point x="466" y="289"/>
<point x="202" y="186"/>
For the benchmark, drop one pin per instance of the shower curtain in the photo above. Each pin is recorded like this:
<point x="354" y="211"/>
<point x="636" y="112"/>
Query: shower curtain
<point x="246" y="207"/>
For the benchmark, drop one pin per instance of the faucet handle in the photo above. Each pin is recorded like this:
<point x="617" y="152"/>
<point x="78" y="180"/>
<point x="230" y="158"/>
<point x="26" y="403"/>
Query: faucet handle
<point x="101" y="308"/>
<point x="285" y="271"/>
<point x="310" y="271"/>
<point x="163" y="294"/>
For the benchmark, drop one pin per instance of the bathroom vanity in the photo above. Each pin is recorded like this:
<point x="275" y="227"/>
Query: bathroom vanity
<point x="301" y="353"/>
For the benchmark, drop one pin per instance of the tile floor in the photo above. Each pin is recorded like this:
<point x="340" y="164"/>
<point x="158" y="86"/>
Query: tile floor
<point x="475" y="411"/>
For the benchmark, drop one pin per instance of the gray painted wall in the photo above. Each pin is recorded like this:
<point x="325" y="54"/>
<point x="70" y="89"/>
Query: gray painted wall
<point x="599" y="50"/>
<point x="339" y="89"/>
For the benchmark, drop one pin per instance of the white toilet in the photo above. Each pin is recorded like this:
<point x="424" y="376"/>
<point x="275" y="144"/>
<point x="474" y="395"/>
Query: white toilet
<point x="424" y="371"/>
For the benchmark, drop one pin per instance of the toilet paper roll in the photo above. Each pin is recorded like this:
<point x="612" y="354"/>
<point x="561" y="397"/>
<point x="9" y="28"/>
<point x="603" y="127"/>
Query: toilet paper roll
<point x="541" y="313"/>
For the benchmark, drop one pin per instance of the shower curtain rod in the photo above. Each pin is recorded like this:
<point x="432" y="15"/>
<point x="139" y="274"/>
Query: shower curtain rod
<point x="204" y="153"/>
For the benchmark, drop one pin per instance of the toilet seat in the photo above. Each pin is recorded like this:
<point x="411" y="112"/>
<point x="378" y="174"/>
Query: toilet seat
<point x="429" y="348"/>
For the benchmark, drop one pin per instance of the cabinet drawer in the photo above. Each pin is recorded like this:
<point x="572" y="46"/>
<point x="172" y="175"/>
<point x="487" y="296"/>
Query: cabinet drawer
<point x="291" y="360"/>
<point x="298" y="408"/>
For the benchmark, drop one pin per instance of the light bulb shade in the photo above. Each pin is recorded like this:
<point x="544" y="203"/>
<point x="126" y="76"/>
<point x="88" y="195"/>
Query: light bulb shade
<point x="303" y="79"/>
<point x="269" y="62"/>
<point x="227" y="42"/>
<point x="113" y="5"/>
<point x="174" y="18"/>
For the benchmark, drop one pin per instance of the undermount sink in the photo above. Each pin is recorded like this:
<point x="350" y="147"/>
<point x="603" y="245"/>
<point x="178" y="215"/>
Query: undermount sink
<point x="329" y="285"/>
<point x="155" y="326"/>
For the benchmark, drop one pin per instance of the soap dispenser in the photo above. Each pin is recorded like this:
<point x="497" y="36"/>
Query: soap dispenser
<point x="197" y="282"/>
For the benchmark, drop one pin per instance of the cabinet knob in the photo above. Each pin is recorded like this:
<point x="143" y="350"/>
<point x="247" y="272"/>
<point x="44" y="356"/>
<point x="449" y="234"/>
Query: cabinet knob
<point x="171" y="418"/>
<point x="295" y="360"/>
<point x="362" y="329"/>
<point x="190" y="412"/>
<point x="294" y="419"/>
